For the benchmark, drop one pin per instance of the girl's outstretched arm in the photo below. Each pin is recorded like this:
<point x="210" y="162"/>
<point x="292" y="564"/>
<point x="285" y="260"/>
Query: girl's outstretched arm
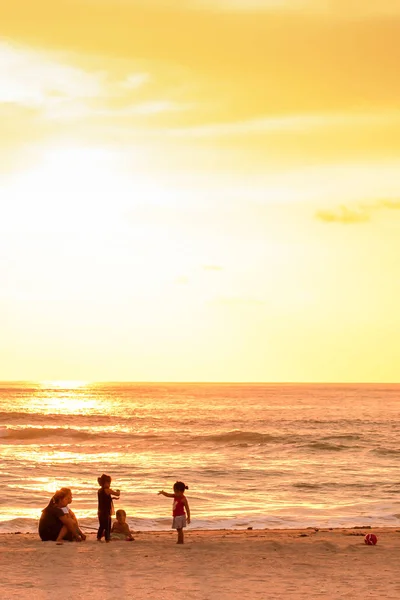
<point x="166" y="494"/>
<point x="186" y="503"/>
<point x="111" y="492"/>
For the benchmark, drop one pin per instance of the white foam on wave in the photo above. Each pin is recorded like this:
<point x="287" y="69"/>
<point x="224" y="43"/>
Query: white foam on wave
<point x="23" y="525"/>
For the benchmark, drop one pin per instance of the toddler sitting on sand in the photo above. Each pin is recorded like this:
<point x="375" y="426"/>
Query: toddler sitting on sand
<point x="120" y="529"/>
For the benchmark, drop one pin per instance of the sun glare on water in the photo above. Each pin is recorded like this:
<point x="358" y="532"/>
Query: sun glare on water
<point x="65" y="396"/>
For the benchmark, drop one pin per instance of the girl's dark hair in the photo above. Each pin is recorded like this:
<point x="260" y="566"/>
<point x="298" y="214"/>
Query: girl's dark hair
<point x="179" y="486"/>
<point x="103" y="479"/>
<point x="121" y="512"/>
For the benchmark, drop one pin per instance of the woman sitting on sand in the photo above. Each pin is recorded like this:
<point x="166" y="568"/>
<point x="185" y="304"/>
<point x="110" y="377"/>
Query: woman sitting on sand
<point x="57" y="522"/>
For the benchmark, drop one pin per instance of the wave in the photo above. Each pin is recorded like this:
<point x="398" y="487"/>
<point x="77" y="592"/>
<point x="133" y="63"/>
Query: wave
<point x="240" y="437"/>
<point x="327" y="446"/>
<point x="246" y="438"/>
<point x="306" y="486"/>
<point x="37" y="433"/>
<point x="128" y="435"/>
<point x="236" y="437"/>
<point x="342" y="436"/>
<point x="386" y="451"/>
<point x="64" y="433"/>
<point x="339" y="486"/>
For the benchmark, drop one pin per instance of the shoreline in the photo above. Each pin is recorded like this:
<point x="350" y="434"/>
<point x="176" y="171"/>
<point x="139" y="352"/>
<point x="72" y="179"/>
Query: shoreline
<point x="243" y="530"/>
<point x="357" y="529"/>
<point x="273" y="564"/>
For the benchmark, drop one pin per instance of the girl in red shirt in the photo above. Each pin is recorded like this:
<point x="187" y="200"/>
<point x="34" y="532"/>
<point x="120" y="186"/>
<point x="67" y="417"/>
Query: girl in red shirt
<point x="180" y="505"/>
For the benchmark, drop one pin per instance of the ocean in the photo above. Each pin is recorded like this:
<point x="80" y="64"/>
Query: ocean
<point x="253" y="455"/>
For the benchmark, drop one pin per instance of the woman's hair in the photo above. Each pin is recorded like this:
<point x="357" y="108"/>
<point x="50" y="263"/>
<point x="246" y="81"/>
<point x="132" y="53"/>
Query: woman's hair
<point x="120" y="513"/>
<point x="59" y="495"/>
<point x="103" y="479"/>
<point x="179" y="486"/>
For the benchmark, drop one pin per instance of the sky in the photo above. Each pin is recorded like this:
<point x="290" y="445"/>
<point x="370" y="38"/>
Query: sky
<point x="200" y="190"/>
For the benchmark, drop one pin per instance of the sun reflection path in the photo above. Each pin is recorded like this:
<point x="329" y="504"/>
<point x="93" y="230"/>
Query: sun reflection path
<point x="67" y="397"/>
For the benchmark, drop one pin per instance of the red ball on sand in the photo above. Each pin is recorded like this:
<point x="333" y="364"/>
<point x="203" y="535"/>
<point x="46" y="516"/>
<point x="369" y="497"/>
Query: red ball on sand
<point x="370" y="539"/>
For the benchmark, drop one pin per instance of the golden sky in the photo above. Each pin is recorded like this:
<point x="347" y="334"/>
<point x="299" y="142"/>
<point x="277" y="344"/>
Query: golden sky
<point x="200" y="190"/>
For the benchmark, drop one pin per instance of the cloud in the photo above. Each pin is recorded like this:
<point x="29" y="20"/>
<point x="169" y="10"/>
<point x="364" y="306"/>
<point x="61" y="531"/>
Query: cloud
<point x="296" y="123"/>
<point x="81" y="110"/>
<point x="343" y="215"/>
<point x="244" y="62"/>
<point x="388" y="204"/>
<point x="153" y="108"/>
<point x="43" y="82"/>
<point x="360" y="214"/>
<point x="43" y="94"/>
<point x="135" y="80"/>
<point x="345" y="9"/>
<point x="33" y="79"/>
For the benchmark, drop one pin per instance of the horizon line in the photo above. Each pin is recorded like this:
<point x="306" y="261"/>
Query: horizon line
<point x="194" y="382"/>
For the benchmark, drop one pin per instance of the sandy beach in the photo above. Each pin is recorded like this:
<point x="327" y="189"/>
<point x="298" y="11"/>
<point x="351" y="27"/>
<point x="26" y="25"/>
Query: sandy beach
<point x="273" y="564"/>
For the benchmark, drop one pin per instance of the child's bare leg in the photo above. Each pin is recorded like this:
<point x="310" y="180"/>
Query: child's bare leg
<point x="180" y="536"/>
